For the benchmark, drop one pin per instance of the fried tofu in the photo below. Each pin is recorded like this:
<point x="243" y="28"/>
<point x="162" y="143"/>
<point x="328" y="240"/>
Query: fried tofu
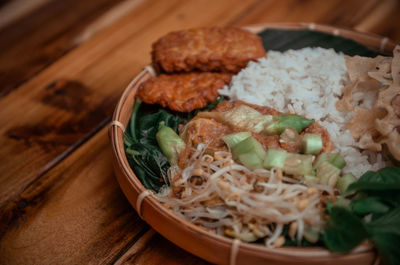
<point x="183" y="92"/>
<point x="212" y="49"/>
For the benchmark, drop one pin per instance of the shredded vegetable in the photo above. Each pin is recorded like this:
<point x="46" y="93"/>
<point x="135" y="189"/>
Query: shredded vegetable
<point x="227" y="198"/>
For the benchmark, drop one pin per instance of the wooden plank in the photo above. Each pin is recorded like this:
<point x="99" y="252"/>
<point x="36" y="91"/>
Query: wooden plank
<point x="35" y="40"/>
<point x="59" y="104"/>
<point x="73" y="98"/>
<point x="75" y="214"/>
<point x="152" y="248"/>
<point x="32" y="232"/>
<point x="383" y="20"/>
<point x="376" y="16"/>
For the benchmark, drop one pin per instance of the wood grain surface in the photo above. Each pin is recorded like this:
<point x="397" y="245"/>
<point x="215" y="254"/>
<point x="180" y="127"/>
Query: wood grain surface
<point x="63" y="66"/>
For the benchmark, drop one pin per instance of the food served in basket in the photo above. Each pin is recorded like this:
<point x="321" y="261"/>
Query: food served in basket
<point x="301" y="150"/>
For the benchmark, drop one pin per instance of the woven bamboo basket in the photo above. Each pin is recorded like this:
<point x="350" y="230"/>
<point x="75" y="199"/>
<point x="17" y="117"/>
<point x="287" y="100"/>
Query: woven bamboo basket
<point x="211" y="247"/>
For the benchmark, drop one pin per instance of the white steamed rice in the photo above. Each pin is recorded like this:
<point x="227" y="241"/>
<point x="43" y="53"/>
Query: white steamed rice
<point x="308" y="82"/>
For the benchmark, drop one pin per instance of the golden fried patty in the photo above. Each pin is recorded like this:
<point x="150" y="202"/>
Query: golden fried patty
<point x="207" y="49"/>
<point x="183" y="92"/>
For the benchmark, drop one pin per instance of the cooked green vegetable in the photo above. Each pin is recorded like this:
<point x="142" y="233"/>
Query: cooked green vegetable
<point x="298" y="165"/>
<point x="250" y="160"/>
<point x="142" y="151"/>
<point x="170" y="143"/>
<point x="348" y="228"/>
<point x="281" y="122"/>
<point x="334" y="158"/>
<point x="311" y="179"/>
<point x="247" y="150"/>
<point x="344" y="182"/>
<point x="234" y="138"/>
<point x="294" y="39"/>
<point x="369" y="205"/>
<point x="312" y="143"/>
<point x="344" y="230"/>
<point x="328" y="174"/>
<point x="243" y="117"/>
<point x="275" y="158"/>
<point x="337" y="160"/>
<point x="386" y="179"/>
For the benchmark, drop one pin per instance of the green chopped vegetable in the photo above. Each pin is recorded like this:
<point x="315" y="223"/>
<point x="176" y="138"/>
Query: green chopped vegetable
<point x="337" y="160"/>
<point x="170" y="143"/>
<point x="328" y="174"/>
<point x="242" y="116"/>
<point x="232" y="139"/>
<point x="244" y="151"/>
<point x="275" y="158"/>
<point x="312" y="143"/>
<point x="334" y="158"/>
<point x="298" y="165"/>
<point x="311" y="179"/>
<point x="281" y="122"/>
<point x="250" y="160"/>
<point x="344" y="182"/>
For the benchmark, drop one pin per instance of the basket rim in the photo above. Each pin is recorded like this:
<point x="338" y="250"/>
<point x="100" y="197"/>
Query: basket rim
<point x="116" y="136"/>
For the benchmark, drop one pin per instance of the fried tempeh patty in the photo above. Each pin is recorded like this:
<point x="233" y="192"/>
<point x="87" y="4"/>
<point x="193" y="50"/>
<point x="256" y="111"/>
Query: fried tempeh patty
<point x="207" y="49"/>
<point x="183" y="92"/>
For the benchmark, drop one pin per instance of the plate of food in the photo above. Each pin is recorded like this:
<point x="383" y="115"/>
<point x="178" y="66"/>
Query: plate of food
<point x="272" y="144"/>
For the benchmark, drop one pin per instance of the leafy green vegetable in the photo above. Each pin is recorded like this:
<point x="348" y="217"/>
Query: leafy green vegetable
<point x="283" y="40"/>
<point x="142" y="150"/>
<point x="388" y="223"/>
<point x="385" y="232"/>
<point x="388" y="247"/>
<point x="385" y="179"/>
<point x="344" y="230"/>
<point x="376" y="194"/>
<point x="369" y="205"/>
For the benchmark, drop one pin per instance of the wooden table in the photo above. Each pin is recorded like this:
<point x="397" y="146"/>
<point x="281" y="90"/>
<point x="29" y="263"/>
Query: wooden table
<point x="63" y="66"/>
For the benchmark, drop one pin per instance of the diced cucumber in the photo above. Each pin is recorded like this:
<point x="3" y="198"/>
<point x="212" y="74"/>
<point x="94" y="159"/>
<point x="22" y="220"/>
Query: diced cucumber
<point x="328" y="174"/>
<point x="337" y="160"/>
<point x="312" y="143"/>
<point x="249" y="153"/>
<point x="232" y="139"/>
<point x="334" y="158"/>
<point x="345" y="181"/>
<point x="250" y="160"/>
<point x="310" y="179"/>
<point x="320" y="159"/>
<point x="298" y="165"/>
<point x="275" y="158"/>
<point x="248" y="145"/>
